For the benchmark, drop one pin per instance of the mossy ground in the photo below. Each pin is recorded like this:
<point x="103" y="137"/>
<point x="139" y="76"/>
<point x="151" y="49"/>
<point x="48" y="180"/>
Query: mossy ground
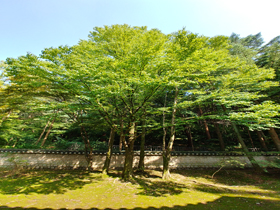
<point x="188" y="189"/>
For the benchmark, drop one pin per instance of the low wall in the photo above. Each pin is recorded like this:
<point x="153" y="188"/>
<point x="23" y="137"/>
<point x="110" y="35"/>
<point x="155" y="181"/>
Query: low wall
<point x="74" y="160"/>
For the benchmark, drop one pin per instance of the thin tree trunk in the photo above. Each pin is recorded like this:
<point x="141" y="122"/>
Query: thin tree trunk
<point x="262" y="141"/>
<point x="250" y="138"/>
<point x="163" y="124"/>
<point x="166" y="154"/>
<point x="141" y="164"/>
<point x="220" y="137"/>
<point x="189" y="136"/>
<point x="43" y="132"/>
<point x="89" y="157"/>
<point x="275" y="138"/>
<point x="205" y="124"/>
<point x="122" y="137"/>
<point x="109" y="152"/>
<point x="48" y="132"/>
<point x="128" y="163"/>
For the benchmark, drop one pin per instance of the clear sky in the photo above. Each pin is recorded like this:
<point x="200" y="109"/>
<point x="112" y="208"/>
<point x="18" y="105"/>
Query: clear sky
<point x="32" y="25"/>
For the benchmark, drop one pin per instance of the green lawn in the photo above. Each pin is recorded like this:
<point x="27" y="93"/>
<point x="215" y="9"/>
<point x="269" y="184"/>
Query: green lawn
<point x="188" y="189"/>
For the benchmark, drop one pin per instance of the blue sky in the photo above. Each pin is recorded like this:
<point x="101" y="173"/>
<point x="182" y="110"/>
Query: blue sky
<point x="32" y="25"/>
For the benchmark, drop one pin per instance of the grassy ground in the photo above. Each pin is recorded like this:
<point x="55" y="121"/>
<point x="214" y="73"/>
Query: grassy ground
<point x="188" y="189"/>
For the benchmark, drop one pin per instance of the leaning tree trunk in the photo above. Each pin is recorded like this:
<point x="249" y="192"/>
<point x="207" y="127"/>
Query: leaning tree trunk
<point x="48" y="132"/>
<point x="128" y="162"/>
<point x="275" y="138"/>
<point x="245" y="149"/>
<point x="141" y="164"/>
<point x="109" y="152"/>
<point x="243" y="145"/>
<point x="166" y="154"/>
<point x="43" y="132"/>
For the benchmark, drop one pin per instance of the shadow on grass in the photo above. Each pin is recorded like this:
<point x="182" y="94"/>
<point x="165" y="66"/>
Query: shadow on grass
<point x="158" y="188"/>
<point x="224" y="202"/>
<point x="234" y="177"/>
<point x="151" y="184"/>
<point x="46" y="182"/>
<point x="236" y="182"/>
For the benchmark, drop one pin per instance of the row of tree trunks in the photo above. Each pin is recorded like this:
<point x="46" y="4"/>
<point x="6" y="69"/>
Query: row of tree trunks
<point x="129" y="152"/>
<point x="217" y="129"/>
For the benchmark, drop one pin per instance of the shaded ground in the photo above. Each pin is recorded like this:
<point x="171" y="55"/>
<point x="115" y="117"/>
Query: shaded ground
<point x="188" y="189"/>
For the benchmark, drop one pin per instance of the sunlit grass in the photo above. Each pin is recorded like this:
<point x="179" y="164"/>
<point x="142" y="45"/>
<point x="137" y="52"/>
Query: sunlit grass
<point x="188" y="189"/>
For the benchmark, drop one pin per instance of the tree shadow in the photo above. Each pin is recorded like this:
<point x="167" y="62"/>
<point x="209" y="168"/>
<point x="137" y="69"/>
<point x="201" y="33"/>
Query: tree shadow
<point x="46" y="182"/>
<point x="224" y="202"/>
<point x="237" y="182"/>
<point x="151" y="184"/>
<point x="159" y="188"/>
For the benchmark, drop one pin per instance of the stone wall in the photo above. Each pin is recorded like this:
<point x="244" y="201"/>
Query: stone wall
<point x="74" y="160"/>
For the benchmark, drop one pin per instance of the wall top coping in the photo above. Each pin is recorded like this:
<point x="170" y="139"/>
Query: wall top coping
<point x="154" y="153"/>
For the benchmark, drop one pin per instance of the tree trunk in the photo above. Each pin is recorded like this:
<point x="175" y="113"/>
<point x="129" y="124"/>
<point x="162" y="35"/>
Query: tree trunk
<point x="109" y="152"/>
<point x="43" y="132"/>
<point x="262" y="141"/>
<point x="205" y="124"/>
<point x="245" y="149"/>
<point x="128" y="163"/>
<point x="275" y="138"/>
<point x="220" y="137"/>
<point x="189" y="136"/>
<point x="250" y="137"/>
<point x="166" y="154"/>
<point x="88" y="154"/>
<point x="48" y="132"/>
<point x="141" y="164"/>
<point x="122" y="137"/>
<point x="240" y="139"/>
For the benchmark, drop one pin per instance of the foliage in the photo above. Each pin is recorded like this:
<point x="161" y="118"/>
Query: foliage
<point x="193" y="87"/>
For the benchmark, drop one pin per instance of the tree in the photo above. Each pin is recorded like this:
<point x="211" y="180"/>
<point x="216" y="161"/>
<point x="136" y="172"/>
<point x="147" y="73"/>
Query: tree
<point x="117" y="72"/>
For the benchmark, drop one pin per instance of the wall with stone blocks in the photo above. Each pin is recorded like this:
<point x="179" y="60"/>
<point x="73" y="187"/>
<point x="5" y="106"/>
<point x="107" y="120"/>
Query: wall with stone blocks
<point x="153" y="160"/>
